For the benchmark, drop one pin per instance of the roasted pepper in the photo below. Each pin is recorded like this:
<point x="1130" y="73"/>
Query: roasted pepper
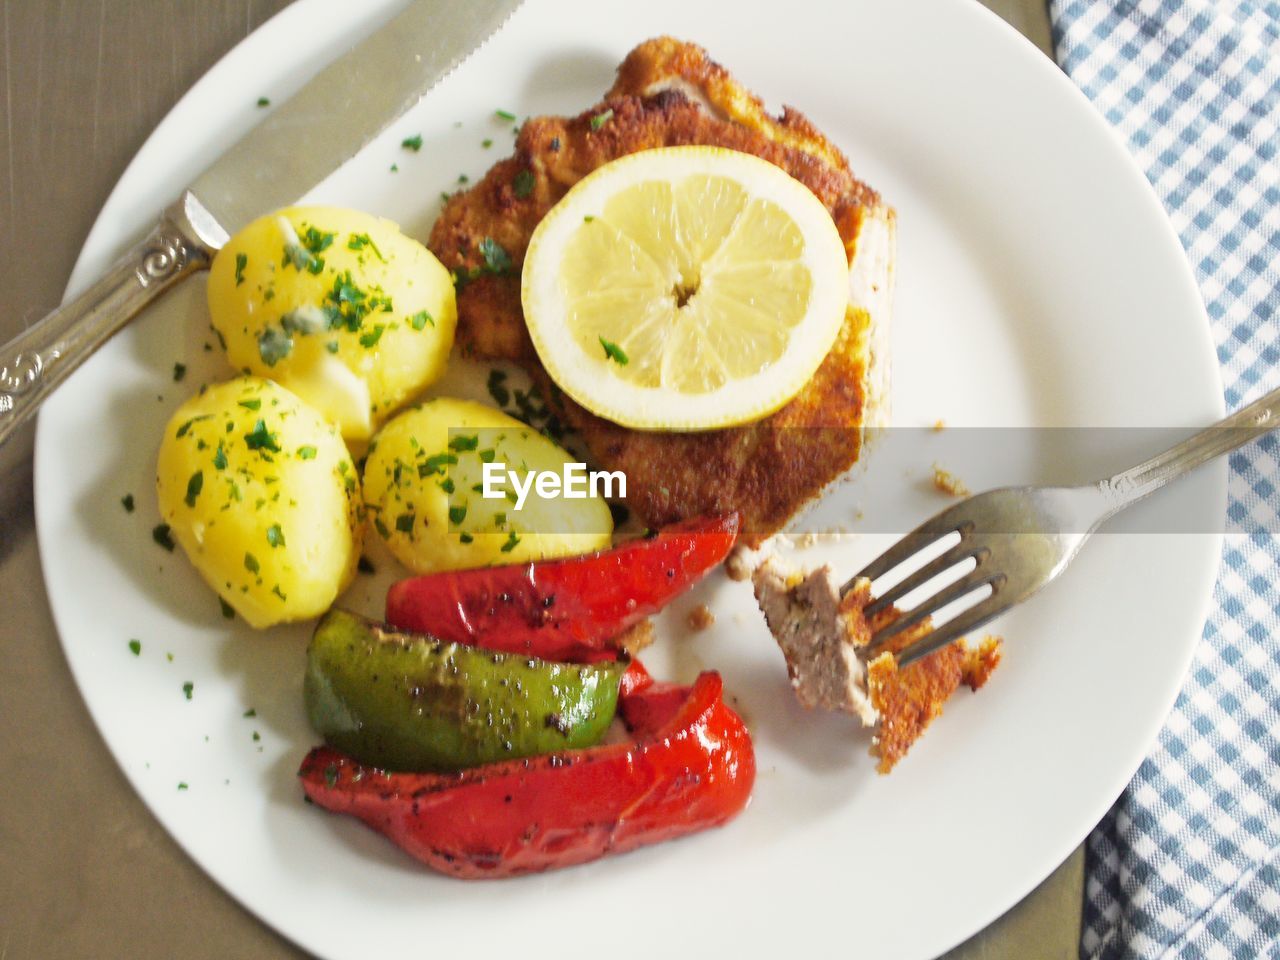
<point x="690" y="766"/>
<point x="563" y="609"/>
<point x="411" y="702"/>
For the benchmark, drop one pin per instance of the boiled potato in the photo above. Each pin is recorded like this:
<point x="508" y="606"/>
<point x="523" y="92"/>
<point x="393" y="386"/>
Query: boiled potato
<point x="423" y="488"/>
<point x="338" y="306"/>
<point x="261" y="494"/>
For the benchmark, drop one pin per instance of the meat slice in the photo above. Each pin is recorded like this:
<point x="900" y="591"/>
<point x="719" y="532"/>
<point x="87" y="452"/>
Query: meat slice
<point x="823" y="638"/>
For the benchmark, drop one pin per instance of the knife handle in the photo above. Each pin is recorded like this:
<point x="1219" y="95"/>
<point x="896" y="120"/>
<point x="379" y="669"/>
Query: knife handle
<point x="33" y="363"/>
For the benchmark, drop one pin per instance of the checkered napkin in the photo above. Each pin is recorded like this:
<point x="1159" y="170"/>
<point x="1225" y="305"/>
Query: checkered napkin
<point x="1187" y="863"/>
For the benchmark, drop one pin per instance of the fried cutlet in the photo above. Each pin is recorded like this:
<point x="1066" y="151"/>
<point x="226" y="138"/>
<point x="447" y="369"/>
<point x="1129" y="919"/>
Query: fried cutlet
<point x="824" y="636"/>
<point x="669" y="93"/>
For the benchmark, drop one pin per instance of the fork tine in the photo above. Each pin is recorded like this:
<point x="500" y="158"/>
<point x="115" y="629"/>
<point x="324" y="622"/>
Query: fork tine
<point x="953" y="591"/>
<point x="958" y="554"/>
<point x="932" y="530"/>
<point x="964" y="622"/>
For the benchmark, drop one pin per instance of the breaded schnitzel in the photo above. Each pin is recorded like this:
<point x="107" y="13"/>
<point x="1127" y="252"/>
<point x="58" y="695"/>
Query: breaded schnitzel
<point x="669" y="93"/>
<point x="824" y="638"/>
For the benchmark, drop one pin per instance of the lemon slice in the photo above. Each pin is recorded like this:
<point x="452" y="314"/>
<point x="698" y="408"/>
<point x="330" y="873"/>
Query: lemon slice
<point x="685" y="288"/>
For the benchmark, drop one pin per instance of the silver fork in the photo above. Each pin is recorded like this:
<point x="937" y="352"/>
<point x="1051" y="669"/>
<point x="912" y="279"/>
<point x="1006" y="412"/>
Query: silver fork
<point x="1023" y="537"/>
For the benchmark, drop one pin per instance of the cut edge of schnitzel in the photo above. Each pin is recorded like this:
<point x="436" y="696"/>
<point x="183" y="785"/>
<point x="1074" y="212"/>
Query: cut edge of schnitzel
<point x="824" y="636"/>
<point x="669" y="93"/>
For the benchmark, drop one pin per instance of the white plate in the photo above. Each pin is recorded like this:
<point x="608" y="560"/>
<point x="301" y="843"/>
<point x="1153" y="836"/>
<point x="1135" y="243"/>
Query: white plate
<point x="1039" y="285"/>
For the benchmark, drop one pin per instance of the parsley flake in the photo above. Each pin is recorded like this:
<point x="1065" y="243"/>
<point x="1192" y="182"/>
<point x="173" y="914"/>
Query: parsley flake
<point x="413" y="143"/>
<point x="127" y="502"/>
<point x="194" y="486"/>
<point x="242" y="261"/>
<point x="421" y="319"/>
<point x="220" y="458"/>
<point x="135" y="647"/>
<point x="275" y="536"/>
<point x="614" y="352"/>
<point x="600" y="119"/>
<point x="522" y="184"/>
<point x="457" y="514"/>
<point x="187" y="689"/>
<point x="307" y="452"/>
<point x="179" y="371"/>
<point x="371" y="337"/>
<point x="251" y="563"/>
<point x="511" y="542"/>
<point x="163" y="536"/>
<point x="462" y="444"/>
<point x="260" y="438"/>
<point x="228" y="612"/>
<point x="274" y="344"/>
<point x="404" y="522"/>
<point x="506" y="115"/>
<point x="264" y="102"/>
<point x="254" y="404"/>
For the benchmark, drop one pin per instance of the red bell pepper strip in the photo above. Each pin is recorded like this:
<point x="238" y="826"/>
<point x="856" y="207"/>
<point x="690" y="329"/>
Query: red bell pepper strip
<point x="690" y="767"/>
<point x="562" y="609"/>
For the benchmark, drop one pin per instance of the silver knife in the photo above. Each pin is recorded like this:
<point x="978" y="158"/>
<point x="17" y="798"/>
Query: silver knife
<point x="296" y="146"/>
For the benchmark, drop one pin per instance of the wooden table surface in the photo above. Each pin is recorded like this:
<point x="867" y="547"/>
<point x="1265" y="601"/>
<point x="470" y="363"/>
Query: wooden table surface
<point x="85" y="872"/>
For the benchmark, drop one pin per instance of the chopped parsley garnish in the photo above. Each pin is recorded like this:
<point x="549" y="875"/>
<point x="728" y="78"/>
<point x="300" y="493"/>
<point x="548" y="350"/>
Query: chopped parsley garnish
<point x="365" y="565"/>
<point x="413" y="143"/>
<point x="457" y="514"/>
<point x="162" y="535"/>
<point x="614" y="352"/>
<point x="600" y="119"/>
<point x="436" y="464"/>
<point x="274" y="344"/>
<point x="187" y="688"/>
<point x="279" y="593"/>
<point x="275" y="536"/>
<point x="228" y="611"/>
<point x="371" y="337"/>
<point x="486" y="143"/>
<point x="496" y="258"/>
<point x="179" y="371"/>
<point x="420" y="320"/>
<point x="395" y="168"/>
<point x="522" y="183"/>
<point x="497" y="387"/>
<point x="251" y="563"/>
<point x="242" y="261"/>
<point x="588" y="218"/>
<point x="332" y="346"/>
<point x="358" y="241"/>
<point x="182" y="786"/>
<point x="511" y="542"/>
<point x="307" y="452"/>
<point x="264" y="102"/>
<point x="381" y="527"/>
<point x="260" y="438"/>
<point x="316" y="241"/>
<point x="135" y="647"/>
<point x="463" y="178"/>
<point x="220" y="458"/>
<point x="447" y="485"/>
<point x="487" y="455"/>
<point x="404" y="522"/>
<point x="254" y="404"/>
<point x="506" y="115"/>
<point x="127" y="502"/>
<point x="462" y="444"/>
<point x="194" y="486"/>
<point x="249" y="713"/>
<point x="465" y="537"/>
<point x="182" y="430"/>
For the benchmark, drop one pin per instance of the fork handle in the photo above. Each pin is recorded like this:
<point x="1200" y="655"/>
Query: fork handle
<point x="1246" y="424"/>
<point x="36" y="361"/>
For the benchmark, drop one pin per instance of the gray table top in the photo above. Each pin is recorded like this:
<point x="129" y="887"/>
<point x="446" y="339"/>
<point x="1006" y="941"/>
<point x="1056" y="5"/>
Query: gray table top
<point x="85" y="872"/>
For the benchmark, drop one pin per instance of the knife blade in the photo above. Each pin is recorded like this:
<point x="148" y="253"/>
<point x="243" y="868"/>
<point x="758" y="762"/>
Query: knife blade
<point x="337" y="112"/>
<point x="344" y="106"/>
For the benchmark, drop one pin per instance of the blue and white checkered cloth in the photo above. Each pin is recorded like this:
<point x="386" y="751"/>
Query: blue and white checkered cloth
<point x="1187" y="863"/>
